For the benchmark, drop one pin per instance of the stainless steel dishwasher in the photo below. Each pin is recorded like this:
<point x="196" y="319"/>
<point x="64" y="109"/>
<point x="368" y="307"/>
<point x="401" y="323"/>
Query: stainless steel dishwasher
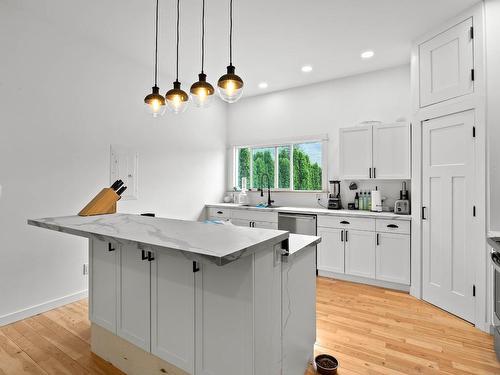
<point x="299" y="224"/>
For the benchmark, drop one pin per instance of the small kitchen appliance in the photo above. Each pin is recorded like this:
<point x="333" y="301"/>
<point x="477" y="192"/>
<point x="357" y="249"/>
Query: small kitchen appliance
<point x="402" y="205"/>
<point x="334" y="202"/>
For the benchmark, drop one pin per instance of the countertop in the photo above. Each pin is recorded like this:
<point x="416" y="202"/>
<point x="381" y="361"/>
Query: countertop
<point x="219" y="244"/>
<point x="299" y="242"/>
<point x="314" y="210"/>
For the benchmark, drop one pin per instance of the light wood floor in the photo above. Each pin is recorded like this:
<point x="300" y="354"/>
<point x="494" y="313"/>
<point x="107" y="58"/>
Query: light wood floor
<point x="370" y="330"/>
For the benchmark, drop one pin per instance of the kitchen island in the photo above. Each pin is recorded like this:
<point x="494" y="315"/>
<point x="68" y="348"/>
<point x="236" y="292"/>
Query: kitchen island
<point x="182" y="297"/>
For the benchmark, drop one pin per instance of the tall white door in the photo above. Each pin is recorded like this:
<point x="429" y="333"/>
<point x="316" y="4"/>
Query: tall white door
<point x="448" y="193"/>
<point x="355" y="149"/>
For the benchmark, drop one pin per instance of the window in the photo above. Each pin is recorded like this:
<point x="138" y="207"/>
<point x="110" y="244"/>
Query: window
<point x="291" y="166"/>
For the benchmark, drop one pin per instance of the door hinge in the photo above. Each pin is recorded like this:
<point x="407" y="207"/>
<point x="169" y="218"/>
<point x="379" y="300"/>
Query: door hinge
<point x="472" y="32"/>
<point x="473" y="132"/>
<point x="472" y="74"/>
<point x="473" y="290"/>
<point x="474" y="211"/>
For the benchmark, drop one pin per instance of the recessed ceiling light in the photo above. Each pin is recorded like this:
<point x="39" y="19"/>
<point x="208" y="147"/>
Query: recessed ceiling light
<point x="307" y="68"/>
<point x="367" y="54"/>
<point x="263" y="85"/>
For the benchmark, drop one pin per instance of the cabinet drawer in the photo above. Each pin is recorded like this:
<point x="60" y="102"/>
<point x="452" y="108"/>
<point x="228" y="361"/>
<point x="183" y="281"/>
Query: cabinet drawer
<point x="358" y="223"/>
<point x="220" y="213"/>
<point x="252" y="215"/>
<point x="393" y="226"/>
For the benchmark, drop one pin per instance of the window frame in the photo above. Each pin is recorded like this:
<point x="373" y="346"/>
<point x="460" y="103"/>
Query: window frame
<point x="275" y="145"/>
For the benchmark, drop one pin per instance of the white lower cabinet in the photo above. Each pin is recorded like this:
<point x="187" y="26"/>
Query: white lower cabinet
<point x="377" y="250"/>
<point x="254" y="224"/>
<point x="331" y="249"/>
<point x="173" y="296"/>
<point x="133" y="323"/>
<point x="393" y="258"/>
<point x="103" y="272"/>
<point x="360" y="253"/>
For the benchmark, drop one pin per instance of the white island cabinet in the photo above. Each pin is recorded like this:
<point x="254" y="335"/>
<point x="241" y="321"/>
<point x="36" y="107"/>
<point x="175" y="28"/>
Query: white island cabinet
<point x="180" y="297"/>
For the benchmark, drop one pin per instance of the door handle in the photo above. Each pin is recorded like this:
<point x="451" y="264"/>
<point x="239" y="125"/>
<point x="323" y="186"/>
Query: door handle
<point x="195" y="266"/>
<point x="392" y="226"/>
<point x="342" y="235"/>
<point x="344" y="222"/>
<point x="151" y="256"/>
<point x="143" y="255"/>
<point x="423" y="213"/>
<point x="378" y="239"/>
<point x="110" y="248"/>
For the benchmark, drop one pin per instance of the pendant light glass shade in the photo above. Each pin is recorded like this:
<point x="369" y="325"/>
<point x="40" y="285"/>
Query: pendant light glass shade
<point x="177" y="99"/>
<point x="230" y="86"/>
<point x="202" y="92"/>
<point x="154" y="102"/>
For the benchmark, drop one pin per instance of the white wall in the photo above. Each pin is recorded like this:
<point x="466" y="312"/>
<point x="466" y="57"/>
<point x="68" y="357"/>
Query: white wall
<point x="493" y="109"/>
<point x="320" y="109"/>
<point x="63" y="101"/>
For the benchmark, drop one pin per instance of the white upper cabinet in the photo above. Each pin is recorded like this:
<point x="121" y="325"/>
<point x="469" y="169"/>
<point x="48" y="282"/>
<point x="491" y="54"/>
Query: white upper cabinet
<point x="375" y="151"/>
<point x="391" y="151"/>
<point x="446" y="63"/>
<point x="356" y="152"/>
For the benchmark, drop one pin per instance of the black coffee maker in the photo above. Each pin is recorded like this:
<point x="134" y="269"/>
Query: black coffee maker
<point x="334" y="202"/>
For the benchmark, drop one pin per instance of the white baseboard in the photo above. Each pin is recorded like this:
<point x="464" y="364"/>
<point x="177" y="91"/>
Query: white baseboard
<point x="41" y="308"/>
<point x="364" y="280"/>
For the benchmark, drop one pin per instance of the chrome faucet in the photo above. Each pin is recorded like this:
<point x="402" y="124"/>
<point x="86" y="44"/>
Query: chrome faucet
<point x="261" y="189"/>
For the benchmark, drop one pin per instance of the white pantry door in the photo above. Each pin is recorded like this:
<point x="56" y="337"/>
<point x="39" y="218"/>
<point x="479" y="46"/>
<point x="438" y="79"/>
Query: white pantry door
<point x="448" y="193"/>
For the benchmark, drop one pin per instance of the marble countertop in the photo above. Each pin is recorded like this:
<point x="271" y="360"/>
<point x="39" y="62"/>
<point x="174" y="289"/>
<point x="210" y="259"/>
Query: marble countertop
<point x="219" y="244"/>
<point x="299" y="242"/>
<point x="314" y="210"/>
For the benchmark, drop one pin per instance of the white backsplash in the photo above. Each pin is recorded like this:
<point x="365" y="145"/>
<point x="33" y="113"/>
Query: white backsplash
<point x="389" y="189"/>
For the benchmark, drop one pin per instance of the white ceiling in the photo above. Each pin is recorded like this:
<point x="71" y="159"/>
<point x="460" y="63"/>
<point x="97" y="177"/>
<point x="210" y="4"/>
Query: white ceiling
<point x="272" y="39"/>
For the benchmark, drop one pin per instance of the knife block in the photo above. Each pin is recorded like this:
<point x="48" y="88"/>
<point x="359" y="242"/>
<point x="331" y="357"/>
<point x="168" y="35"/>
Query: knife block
<point x="103" y="203"/>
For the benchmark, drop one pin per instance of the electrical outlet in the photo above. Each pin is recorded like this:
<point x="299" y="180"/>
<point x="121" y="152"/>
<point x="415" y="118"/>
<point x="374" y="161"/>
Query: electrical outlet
<point x="85" y="269"/>
<point x="319" y="196"/>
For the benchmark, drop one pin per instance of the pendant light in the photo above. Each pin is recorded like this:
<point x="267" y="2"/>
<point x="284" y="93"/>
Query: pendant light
<point x="202" y="92"/>
<point x="230" y="86"/>
<point x="177" y="99"/>
<point x="154" y="102"/>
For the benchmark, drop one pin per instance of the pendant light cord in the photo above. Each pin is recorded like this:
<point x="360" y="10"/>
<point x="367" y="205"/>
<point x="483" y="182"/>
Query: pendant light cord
<point x="177" y="61"/>
<point x="230" y="32"/>
<point x="156" y="44"/>
<point x="203" y="37"/>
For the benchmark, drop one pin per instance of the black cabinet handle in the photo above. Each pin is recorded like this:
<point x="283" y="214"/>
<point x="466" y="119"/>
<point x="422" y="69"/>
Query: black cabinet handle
<point x="378" y="240"/>
<point x="374" y="172"/>
<point x="344" y="222"/>
<point x="110" y="248"/>
<point x="195" y="266"/>
<point x="370" y="172"/>
<point x="151" y="256"/>
<point x="423" y="213"/>
<point x="346" y="235"/>
<point x="143" y="255"/>
<point x="342" y="235"/>
<point x="220" y="212"/>
<point x="392" y="226"/>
